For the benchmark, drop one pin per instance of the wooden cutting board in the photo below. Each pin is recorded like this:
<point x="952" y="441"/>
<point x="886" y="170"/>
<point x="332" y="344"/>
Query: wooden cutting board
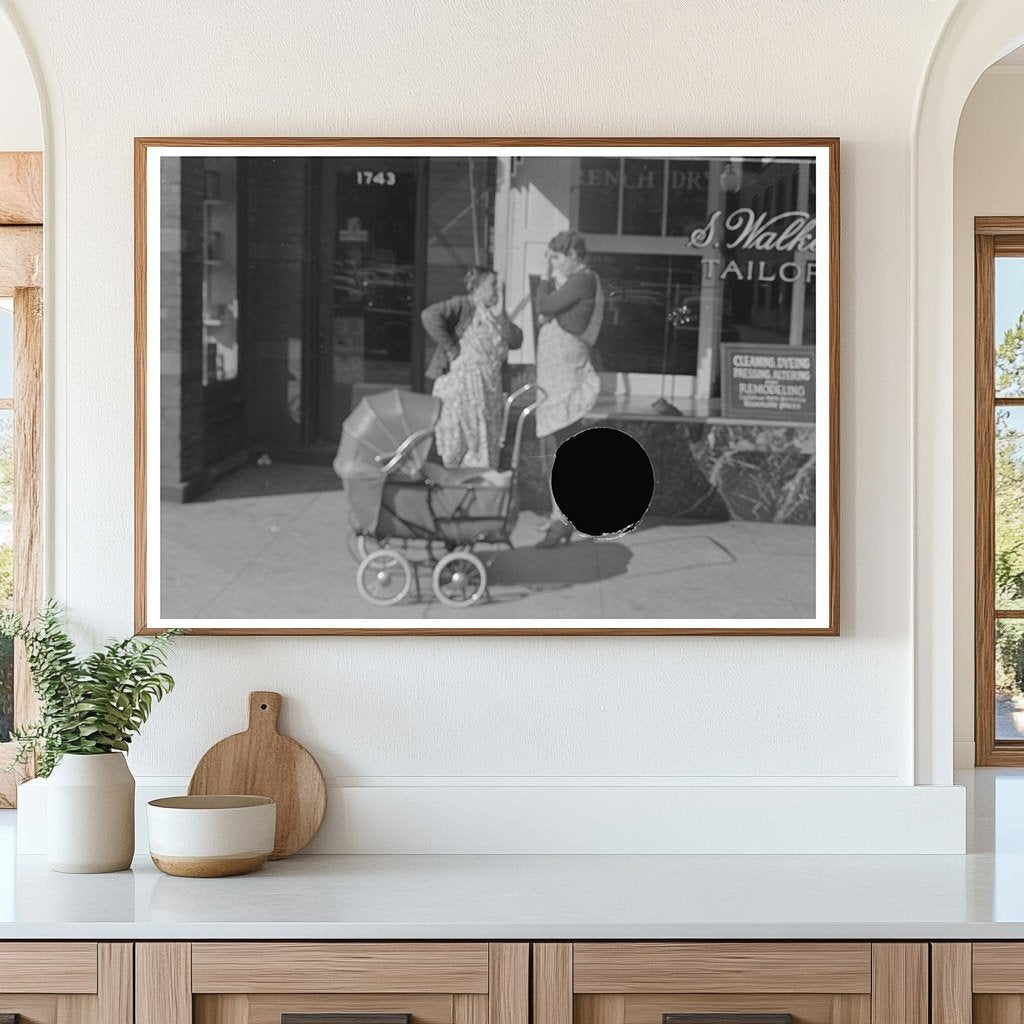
<point x="262" y="762"/>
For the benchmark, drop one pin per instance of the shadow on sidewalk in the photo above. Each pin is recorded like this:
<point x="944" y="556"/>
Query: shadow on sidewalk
<point x="583" y="561"/>
<point x="254" y="481"/>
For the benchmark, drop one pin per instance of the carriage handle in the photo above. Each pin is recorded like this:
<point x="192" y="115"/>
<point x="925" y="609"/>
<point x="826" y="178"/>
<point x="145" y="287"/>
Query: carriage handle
<point x="389" y="463"/>
<point x="523" y="416"/>
<point x="510" y="401"/>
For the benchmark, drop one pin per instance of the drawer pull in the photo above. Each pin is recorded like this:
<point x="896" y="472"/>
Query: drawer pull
<point x="727" y="1018"/>
<point x="339" y="1018"/>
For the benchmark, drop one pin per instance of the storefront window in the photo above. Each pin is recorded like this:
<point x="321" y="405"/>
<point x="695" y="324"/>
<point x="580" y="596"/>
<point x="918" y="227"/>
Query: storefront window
<point x="652" y="307"/>
<point x="643" y="197"/>
<point x="599" y="195"/>
<point x="674" y="198"/>
<point x="744" y="255"/>
<point x="687" y="197"/>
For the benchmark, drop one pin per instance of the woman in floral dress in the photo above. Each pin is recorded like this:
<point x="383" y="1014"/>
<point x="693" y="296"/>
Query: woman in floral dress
<point x="467" y="433"/>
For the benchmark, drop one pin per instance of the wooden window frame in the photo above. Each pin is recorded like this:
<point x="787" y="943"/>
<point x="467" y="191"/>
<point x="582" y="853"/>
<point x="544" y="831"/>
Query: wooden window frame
<point x="993" y="236"/>
<point x="21" y="270"/>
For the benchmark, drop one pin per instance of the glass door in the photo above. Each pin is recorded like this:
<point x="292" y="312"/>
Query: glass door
<point x="366" y="302"/>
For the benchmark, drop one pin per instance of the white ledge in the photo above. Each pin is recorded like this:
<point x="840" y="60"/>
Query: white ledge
<point x="544" y="897"/>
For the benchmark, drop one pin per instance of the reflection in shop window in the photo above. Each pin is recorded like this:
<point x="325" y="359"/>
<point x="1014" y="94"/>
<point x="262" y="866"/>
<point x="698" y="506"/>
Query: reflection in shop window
<point x="653" y="310"/>
<point x="220" y="270"/>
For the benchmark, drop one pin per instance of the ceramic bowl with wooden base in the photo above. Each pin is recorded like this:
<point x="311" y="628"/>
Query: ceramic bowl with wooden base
<point x="211" y="836"/>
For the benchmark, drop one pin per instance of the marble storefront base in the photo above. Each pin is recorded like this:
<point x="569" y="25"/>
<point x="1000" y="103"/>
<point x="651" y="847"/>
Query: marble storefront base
<point x="763" y="474"/>
<point x="705" y="469"/>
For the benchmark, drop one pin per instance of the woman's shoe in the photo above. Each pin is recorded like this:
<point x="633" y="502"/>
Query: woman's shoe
<point x="556" y="533"/>
<point x="545" y="525"/>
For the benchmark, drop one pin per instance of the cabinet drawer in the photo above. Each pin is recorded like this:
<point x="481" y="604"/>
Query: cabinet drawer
<point x="730" y="983"/>
<point x="64" y="967"/>
<point x="981" y="982"/>
<point x="340" y="967"/>
<point x="332" y="983"/>
<point x="633" y="967"/>
<point x="66" y="982"/>
<point x="998" y="967"/>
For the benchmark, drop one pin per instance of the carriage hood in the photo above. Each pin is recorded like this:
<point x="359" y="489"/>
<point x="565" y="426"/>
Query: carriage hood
<point x="375" y="428"/>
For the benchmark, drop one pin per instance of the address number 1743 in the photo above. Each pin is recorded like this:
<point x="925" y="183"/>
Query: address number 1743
<point x="375" y="178"/>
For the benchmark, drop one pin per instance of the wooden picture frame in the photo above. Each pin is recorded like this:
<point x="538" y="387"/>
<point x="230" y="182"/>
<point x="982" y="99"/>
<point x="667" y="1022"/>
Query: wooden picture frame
<point x="798" y="179"/>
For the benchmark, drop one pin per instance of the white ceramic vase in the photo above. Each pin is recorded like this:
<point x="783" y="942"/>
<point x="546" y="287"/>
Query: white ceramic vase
<point x="90" y="814"/>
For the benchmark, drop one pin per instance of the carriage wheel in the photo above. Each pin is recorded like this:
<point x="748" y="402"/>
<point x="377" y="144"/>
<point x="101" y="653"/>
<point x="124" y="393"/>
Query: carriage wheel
<point x="384" y="577"/>
<point x="367" y="545"/>
<point x="460" y="579"/>
<point x="358" y="547"/>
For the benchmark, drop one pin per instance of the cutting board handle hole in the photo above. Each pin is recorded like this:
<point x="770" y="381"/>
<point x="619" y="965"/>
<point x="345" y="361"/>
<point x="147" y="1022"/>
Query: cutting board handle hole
<point x="263" y="707"/>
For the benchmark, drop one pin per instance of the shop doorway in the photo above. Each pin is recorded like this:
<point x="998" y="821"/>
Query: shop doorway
<point x="368" y="287"/>
<point x="294" y="288"/>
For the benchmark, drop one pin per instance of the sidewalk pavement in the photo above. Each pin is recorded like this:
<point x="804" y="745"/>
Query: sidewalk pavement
<point x="274" y="542"/>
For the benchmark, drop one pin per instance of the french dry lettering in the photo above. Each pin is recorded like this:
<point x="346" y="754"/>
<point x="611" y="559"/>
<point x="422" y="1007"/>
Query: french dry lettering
<point x="688" y="180"/>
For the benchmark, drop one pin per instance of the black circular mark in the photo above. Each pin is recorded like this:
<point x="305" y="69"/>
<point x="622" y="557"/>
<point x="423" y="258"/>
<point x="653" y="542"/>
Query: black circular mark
<point x="602" y="481"/>
<point x="263" y="707"/>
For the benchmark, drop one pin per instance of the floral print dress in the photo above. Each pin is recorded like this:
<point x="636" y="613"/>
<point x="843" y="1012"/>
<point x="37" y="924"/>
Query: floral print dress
<point x="467" y="432"/>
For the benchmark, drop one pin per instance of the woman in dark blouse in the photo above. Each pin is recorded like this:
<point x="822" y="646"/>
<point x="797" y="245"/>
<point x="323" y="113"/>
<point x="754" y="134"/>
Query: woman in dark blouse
<point x="570" y="304"/>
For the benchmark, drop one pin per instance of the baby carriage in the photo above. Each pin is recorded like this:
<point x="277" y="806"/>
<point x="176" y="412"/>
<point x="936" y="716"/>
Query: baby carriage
<point x="399" y="501"/>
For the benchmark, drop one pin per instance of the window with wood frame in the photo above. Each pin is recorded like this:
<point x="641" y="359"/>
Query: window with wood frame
<point x="999" y="490"/>
<point x="21" y="361"/>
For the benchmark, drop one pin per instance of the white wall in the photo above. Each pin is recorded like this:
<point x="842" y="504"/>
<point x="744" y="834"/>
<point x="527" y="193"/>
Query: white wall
<point x="455" y="712"/>
<point x="987" y="181"/>
<point x="21" y="126"/>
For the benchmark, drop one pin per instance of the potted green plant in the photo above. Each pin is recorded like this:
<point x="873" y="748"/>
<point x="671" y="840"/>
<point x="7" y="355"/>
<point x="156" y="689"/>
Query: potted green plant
<point x="90" y="708"/>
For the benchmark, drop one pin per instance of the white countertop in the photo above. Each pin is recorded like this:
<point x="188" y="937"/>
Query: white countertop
<point x="497" y="897"/>
<point x="977" y="896"/>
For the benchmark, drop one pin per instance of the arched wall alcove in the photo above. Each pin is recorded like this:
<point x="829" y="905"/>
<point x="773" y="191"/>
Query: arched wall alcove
<point x="977" y="33"/>
<point x="21" y="120"/>
<point x="21" y="132"/>
<point x="28" y="122"/>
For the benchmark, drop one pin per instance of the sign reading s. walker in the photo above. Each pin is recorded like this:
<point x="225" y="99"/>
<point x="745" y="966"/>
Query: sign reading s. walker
<point x="768" y="382"/>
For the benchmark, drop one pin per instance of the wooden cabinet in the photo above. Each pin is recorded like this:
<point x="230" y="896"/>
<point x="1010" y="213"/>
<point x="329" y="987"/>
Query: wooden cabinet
<point x="758" y="982"/>
<point x="494" y="983"/>
<point x="264" y="982"/>
<point x="978" y="983"/>
<point x="66" y="982"/>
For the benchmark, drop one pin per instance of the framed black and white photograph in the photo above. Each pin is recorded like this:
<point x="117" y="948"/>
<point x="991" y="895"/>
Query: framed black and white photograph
<point x="487" y="385"/>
